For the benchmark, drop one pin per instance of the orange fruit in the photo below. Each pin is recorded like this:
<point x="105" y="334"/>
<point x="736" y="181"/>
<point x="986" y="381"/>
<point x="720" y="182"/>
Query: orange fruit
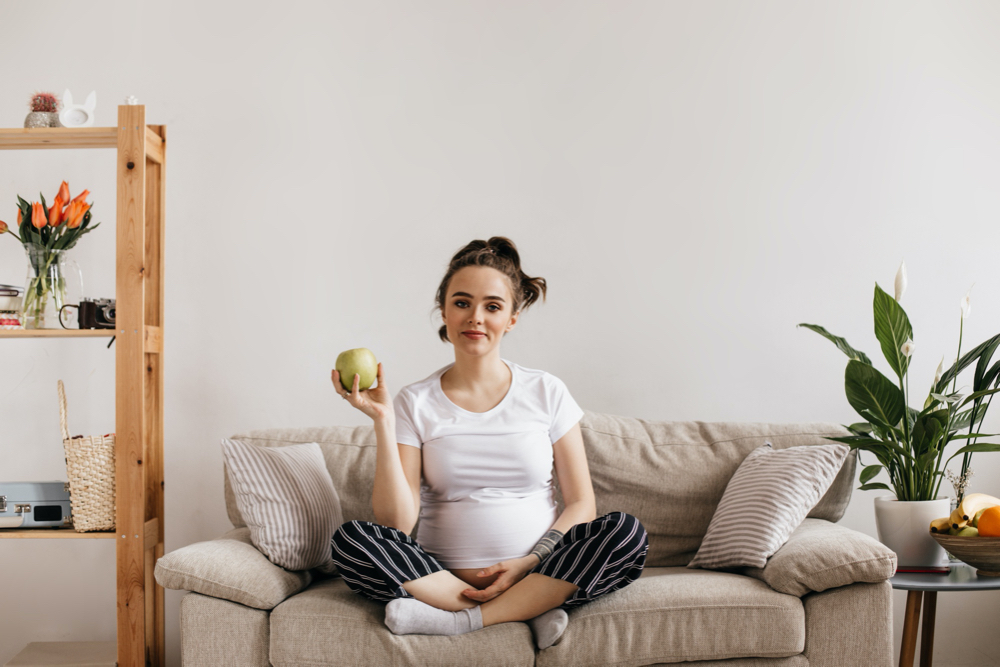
<point x="989" y="522"/>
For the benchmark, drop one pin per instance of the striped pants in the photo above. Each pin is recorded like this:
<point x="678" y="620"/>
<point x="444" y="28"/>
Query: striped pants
<point x="600" y="556"/>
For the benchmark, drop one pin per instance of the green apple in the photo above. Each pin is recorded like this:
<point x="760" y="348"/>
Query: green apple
<point x="975" y="520"/>
<point x="360" y="360"/>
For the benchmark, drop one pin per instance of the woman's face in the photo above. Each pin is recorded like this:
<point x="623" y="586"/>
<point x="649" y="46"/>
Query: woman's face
<point x="478" y="299"/>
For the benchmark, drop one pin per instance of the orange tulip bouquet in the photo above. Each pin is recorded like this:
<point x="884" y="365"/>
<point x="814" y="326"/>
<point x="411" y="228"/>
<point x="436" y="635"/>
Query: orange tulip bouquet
<point x="47" y="232"/>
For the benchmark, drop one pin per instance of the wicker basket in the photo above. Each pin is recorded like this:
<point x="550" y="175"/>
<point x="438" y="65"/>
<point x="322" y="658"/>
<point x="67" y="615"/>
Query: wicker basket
<point x="90" y="467"/>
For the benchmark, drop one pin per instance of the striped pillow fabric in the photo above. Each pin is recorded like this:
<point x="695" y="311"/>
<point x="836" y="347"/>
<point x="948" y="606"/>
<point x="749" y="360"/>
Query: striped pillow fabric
<point x="765" y="501"/>
<point x="288" y="501"/>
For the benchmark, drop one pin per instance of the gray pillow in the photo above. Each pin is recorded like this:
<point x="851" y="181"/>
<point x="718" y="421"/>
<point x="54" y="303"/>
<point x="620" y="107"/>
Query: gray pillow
<point x="765" y="500"/>
<point x="821" y="555"/>
<point x="230" y="568"/>
<point x="288" y="501"/>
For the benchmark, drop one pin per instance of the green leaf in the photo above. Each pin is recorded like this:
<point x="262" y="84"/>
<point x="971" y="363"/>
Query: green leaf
<point x="869" y="472"/>
<point x="873" y="486"/>
<point x="892" y="328"/>
<point x="977" y="394"/>
<point x="978" y="447"/>
<point x="964" y="419"/>
<point x="841" y="343"/>
<point x="868" y="390"/>
<point x="860" y="427"/>
<point x="984" y="362"/>
<point x="927" y="430"/>
<point x="967" y="436"/>
<point x="992" y="375"/>
<point x="963" y="363"/>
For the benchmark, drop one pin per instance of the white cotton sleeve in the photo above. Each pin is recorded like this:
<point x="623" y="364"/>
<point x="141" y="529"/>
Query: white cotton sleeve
<point x="564" y="410"/>
<point x="406" y="430"/>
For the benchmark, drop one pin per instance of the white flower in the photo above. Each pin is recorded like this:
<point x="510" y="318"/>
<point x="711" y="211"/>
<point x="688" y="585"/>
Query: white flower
<point x="937" y="373"/>
<point x="900" y="281"/>
<point x="966" y="305"/>
<point x="907" y="348"/>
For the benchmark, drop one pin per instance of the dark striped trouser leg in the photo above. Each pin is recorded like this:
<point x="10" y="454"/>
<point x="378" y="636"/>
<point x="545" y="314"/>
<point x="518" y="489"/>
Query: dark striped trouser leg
<point x="376" y="560"/>
<point x="601" y="556"/>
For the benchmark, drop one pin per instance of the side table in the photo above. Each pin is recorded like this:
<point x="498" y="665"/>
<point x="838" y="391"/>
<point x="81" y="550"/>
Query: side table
<point x="962" y="577"/>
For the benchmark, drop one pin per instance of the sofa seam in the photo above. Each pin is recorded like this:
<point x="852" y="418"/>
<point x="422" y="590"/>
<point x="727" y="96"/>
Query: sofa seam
<point x="694" y="444"/>
<point x="589" y="428"/>
<point x="688" y="607"/>
<point x="855" y="562"/>
<point x="632" y="658"/>
<point x="299" y="616"/>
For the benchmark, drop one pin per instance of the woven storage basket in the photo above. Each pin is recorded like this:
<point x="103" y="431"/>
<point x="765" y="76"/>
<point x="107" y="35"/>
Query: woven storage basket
<point x="90" y="467"/>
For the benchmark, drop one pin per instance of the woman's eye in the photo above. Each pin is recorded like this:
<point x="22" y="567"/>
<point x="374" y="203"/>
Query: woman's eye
<point x="459" y="304"/>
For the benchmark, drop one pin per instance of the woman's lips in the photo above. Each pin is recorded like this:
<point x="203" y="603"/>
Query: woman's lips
<point x="474" y="336"/>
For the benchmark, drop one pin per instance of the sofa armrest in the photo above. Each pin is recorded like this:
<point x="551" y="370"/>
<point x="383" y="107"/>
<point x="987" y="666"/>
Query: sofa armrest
<point x="231" y="568"/>
<point x="821" y="555"/>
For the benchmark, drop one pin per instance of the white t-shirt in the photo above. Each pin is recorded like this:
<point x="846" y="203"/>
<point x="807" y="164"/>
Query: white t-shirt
<point x="486" y="492"/>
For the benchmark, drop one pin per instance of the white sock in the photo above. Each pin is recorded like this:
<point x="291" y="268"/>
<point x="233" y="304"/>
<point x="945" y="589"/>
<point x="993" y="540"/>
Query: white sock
<point x="410" y="616"/>
<point x="548" y="627"/>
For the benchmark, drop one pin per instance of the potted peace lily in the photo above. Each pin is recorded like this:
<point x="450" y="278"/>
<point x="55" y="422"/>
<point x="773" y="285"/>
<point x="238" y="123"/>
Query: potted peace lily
<point x="910" y="445"/>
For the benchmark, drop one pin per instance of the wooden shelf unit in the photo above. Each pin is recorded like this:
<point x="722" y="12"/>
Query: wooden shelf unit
<point x="139" y="215"/>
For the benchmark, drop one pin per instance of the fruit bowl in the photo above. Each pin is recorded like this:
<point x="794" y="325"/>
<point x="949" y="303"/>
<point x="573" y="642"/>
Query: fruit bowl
<point x="982" y="553"/>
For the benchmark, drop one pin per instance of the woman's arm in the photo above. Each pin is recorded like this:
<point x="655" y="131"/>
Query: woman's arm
<point x="394" y="500"/>
<point x="574" y="480"/>
<point x="395" y="497"/>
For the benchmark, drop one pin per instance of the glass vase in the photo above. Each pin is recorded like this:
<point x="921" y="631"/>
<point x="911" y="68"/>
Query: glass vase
<point x="45" y="288"/>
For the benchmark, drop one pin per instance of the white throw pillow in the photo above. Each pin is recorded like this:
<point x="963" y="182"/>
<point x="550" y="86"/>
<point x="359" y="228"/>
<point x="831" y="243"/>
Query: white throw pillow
<point x="288" y="501"/>
<point x="765" y="501"/>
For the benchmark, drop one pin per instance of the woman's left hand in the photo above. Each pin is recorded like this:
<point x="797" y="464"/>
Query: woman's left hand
<point x="511" y="572"/>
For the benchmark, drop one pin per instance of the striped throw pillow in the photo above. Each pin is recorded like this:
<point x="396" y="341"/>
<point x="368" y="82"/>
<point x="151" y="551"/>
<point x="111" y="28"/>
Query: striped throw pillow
<point x="765" y="501"/>
<point x="288" y="501"/>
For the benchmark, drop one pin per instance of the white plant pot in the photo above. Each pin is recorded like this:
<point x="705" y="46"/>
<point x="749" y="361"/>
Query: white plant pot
<point x="904" y="527"/>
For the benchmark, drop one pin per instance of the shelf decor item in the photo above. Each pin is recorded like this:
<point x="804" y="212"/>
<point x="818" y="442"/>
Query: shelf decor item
<point x="44" y="111"/>
<point x="77" y="115"/>
<point x="47" y="233"/>
<point x="90" y="468"/>
<point x="909" y="444"/>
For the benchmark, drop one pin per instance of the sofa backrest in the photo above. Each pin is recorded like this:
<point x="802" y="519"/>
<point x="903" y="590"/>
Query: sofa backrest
<point x="669" y="475"/>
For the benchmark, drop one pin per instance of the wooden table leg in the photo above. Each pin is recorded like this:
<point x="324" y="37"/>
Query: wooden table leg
<point x="927" y="629"/>
<point x="908" y="647"/>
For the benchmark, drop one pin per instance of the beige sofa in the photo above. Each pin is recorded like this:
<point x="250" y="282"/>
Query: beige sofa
<point x="821" y="600"/>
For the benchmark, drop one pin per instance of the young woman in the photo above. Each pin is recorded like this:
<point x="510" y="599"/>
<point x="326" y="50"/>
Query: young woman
<point x="470" y="451"/>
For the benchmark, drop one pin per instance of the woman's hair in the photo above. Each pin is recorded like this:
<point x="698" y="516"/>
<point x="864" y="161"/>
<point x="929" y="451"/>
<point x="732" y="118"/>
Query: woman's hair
<point x="498" y="253"/>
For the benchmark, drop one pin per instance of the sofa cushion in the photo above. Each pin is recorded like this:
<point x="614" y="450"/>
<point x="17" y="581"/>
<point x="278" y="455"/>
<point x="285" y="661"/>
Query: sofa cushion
<point x="765" y="500"/>
<point x="229" y="568"/>
<point x="349" y="452"/>
<point x="821" y="555"/>
<point x="669" y="475"/>
<point x="676" y="615"/>
<point x="329" y="624"/>
<point x="288" y="500"/>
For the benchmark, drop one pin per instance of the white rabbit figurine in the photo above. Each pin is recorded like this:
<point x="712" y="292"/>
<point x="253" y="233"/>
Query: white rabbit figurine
<point x="77" y="115"/>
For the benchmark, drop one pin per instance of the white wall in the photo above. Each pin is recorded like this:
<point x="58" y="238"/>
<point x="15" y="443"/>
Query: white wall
<point x="693" y="179"/>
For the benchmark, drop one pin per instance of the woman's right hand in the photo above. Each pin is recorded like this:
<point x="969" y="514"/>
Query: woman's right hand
<point x="374" y="402"/>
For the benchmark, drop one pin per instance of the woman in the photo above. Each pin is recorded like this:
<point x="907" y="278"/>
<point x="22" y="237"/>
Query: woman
<point x="470" y="450"/>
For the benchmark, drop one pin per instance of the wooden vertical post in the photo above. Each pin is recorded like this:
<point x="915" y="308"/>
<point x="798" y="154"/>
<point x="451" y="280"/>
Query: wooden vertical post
<point x="153" y="347"/>
<point x="130" y="404"/>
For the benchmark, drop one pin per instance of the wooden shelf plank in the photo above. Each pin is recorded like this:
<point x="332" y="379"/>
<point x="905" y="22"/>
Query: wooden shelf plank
<point x="56" y="333"/>
<point x="52" y="534"/>
<point x="58" y="137"/>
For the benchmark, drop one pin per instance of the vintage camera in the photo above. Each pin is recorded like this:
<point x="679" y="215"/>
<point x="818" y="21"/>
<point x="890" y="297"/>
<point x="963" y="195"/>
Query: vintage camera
<point x="97" y="314"/>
